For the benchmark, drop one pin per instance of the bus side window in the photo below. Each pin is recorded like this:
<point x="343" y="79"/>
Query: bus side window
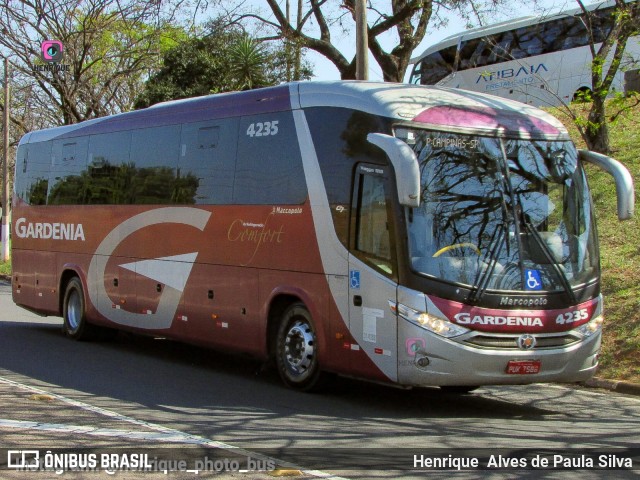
<point x="436" y="66"/>
<point x="372" y="234"/>
<point x="68" y="180"/>
<point x="474" y="53"/>
<point x="269" y="164"/>
<point x="527" y="42"/>
<point x="154" y="157"/>
<point x="109" y="170"/>
<point x="36" y="164"/>
<point x="207" y="162"/>
<point x="501" y="47"/>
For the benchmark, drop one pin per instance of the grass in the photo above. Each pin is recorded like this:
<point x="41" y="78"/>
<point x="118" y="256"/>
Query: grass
<point x="619" y="251"/>
<point x="5" y="268"/>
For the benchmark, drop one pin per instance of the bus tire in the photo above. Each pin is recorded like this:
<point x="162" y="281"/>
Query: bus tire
<point x="582" y="95"/>
<point x="75" y="323"/>
<point x="297" y="350"/>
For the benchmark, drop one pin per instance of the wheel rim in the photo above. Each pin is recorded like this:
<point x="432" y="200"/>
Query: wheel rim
<point x="74" y="310"/>
<point x="299" y="348"/>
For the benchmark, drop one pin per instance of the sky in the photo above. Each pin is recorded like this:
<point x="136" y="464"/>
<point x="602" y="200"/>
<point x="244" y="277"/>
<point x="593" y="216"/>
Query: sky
<point x="325" y="70"/>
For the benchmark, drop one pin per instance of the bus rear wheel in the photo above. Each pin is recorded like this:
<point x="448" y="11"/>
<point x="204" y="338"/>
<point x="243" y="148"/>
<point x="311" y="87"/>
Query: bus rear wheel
<point x="582" y="95"/>
<point x="73" y="312"/>
<point x="297" y="350"/>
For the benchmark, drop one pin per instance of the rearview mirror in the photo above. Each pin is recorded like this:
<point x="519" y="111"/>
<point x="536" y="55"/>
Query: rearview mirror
<point x="622" y="177"/>
<point x="405" y="165"/>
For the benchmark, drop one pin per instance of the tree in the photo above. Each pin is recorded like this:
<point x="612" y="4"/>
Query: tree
<point x="406" y="19"/>
<point x="223" y="60"/>
<point x="109" y="48"/>
<point x="606" y="62"/>
<point x="248" y="58"/>
<point x="393" y="64"/>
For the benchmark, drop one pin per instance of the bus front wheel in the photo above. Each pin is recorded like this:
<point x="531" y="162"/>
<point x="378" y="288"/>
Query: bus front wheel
<point x="73" y="312"/>
<point x="297" y="349"/>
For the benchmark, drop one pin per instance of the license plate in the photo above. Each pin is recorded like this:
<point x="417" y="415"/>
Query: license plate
<point x="523" y="367"/>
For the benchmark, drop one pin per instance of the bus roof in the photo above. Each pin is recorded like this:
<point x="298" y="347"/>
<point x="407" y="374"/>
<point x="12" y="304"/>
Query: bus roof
<point x="507" y="25"/>
<point x="445" y="109"/>
<point x="177" y="111"/>
<point x="467" y="111"/>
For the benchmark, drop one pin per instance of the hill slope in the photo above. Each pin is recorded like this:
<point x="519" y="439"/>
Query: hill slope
<point x="619" y="250"/>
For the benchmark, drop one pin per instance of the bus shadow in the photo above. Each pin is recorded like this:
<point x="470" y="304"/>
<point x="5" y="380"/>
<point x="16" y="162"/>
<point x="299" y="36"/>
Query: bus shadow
<point x="233" y="399"/>
<point x="158" y="372"/>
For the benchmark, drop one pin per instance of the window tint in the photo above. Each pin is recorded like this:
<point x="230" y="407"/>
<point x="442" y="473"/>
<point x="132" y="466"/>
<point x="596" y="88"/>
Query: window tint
<point x="109" y="170"/>
<point x="501" y="47"/>
<point x="269" y="166"/>
<point x="602" y="22"/>
<point x="69" y="152"/>
<point x="528" y="41"/>
<point x="68" y="181"/>
<point x="546" y="37"/>
<point x="153" y="147"/>
<point x="340" y="141"/>
<point x="110" y="148"/>
<point x="372" y="224"/>
<point x="437" y="65"/>
<point x="206" y="164"/>
<point x="208" y="137"/>
<point x="32" y="167"/>
<point x="154" y="160"/>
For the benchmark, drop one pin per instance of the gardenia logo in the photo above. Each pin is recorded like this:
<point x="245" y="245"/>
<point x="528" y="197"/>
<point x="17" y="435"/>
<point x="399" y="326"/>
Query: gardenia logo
<point x="54" y="231"/>
<point x="466" y="319"/>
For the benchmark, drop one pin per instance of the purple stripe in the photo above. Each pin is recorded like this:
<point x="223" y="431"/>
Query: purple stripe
<point x="212" y="107"/>
<point x="486" y="117"/>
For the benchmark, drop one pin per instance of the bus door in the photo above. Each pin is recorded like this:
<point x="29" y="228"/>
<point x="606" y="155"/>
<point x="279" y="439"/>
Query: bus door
<point x="372" y="273"/>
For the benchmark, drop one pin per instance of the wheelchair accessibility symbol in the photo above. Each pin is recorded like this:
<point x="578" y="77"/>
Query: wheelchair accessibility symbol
<point x="533" y="280"/>
<point x="354" y="279"/>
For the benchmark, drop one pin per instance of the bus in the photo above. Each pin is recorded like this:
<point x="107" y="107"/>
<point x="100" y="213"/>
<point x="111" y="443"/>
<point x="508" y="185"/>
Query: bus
<point x="402" y="234"/>
<point x="540" y="60"/>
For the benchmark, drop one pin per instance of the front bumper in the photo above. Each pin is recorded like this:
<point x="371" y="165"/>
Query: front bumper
<point x="427" y="359"/>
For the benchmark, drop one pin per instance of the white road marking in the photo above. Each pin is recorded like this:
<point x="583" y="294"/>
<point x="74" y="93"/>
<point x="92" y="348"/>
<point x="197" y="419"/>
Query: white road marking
<point x="164" y="434"/>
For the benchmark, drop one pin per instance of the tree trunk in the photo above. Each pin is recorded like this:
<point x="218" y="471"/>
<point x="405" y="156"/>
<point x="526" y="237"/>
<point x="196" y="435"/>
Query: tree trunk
<point x="596" y="135"/>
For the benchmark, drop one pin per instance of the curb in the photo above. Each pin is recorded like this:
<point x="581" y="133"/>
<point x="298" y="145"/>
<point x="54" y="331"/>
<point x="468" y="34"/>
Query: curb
<point x="618" y="386"/>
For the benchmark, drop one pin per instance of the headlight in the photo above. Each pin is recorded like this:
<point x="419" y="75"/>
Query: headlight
<point x="593" y="326"/>
<point x="429" y="322"/>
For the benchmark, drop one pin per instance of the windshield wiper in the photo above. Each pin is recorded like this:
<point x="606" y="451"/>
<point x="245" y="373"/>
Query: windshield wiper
<point x="549" y="256"/>
<point x="482" y="279"/>
<point x="508" y="189"/>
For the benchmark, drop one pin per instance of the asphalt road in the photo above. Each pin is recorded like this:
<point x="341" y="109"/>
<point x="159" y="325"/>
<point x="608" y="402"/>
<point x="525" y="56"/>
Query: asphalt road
<point x="137" y="394"/>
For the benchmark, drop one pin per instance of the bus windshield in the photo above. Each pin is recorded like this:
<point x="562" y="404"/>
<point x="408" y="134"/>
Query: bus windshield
<point x="501" y="214"/>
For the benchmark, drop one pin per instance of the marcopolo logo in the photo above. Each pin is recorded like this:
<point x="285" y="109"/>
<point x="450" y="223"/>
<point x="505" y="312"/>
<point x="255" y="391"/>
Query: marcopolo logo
<point x="51" y="51"/>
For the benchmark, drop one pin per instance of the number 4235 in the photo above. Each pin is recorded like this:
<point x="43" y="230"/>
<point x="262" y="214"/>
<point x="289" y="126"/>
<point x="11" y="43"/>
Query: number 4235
<point x="263" y="129"/>
<point x="571" y="317"/>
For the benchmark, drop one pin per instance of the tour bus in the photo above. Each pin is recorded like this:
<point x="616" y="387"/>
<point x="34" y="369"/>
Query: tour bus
<point x="539" y="60"/>
<point x="410" y="235"/>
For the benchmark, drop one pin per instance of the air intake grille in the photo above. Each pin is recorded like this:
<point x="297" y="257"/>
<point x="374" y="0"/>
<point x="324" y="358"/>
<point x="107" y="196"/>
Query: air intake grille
<point x="511" y="341"/>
